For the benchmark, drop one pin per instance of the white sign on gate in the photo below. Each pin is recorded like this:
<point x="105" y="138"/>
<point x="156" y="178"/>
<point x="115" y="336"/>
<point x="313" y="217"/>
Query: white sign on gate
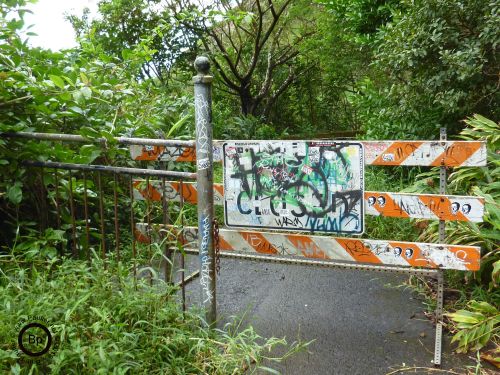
<point x="314" y="186"/>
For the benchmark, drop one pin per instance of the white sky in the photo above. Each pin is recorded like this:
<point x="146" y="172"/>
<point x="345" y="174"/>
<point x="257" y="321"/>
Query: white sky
<point x="48" y="22"/>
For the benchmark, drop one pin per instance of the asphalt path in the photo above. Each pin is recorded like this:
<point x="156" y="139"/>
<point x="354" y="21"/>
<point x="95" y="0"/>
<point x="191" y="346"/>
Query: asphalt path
<point x="362" y="322"/>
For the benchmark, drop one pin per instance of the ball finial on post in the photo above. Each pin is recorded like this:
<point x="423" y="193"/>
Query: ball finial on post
<point x="202" y="65"/>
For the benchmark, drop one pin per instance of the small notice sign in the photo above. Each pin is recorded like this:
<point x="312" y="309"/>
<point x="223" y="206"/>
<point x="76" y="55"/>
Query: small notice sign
<point x="314" y="186"/>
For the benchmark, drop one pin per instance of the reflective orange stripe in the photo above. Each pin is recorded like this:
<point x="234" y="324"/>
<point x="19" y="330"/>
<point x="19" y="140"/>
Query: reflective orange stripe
<point x="224" y="245"/>
<point x="307" y="246"/>
<point x="442" y="208"/>
<point x="189" y="192"/>
<point x="391" y="208"/>
<point x="457" y="154"/>
<point x="149" y="192"/>
<point x="470" y="259"/>
<point x="399" y="151"/>
<point x="259" y="242"/>
<point x="188" y="154"/>
<point x="154" y="154"/>
<point x="219" y="188"/>
<point x="358" y="250"/>
<point x="412" y="254"/>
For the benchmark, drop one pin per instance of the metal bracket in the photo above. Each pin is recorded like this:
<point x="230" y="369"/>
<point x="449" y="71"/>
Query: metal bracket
<point x="440" y="279"/>
<point x="439" y="319"/>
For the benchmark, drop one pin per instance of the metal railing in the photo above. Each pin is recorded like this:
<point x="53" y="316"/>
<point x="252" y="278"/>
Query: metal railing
<point x="88" y="203"/>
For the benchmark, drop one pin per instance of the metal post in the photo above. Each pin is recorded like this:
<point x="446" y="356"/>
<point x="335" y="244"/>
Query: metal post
<point x="204" y="159"/>
<point x="440" y="275"/>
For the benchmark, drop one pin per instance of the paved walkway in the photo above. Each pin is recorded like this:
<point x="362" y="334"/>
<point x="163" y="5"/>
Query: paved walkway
<point x="361" y="321"/>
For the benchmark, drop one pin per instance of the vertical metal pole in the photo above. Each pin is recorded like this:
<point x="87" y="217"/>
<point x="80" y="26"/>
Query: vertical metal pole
<point x="183" y="264"/>
<point x="167" y="250"/>
<point x="204" y="159"/>
<point x="150" y="229"/>
<point x="43" y="202"/>
<point x="72" y="210"/>
<point x="442" y="185"/>
<point x="101" y="217"/>
<point x="58" y="208"/>
<point x="132" y="226"/>
<point x="86" y="213"/>
<point x="117" y="227"/>
<point x="440" y="276"/>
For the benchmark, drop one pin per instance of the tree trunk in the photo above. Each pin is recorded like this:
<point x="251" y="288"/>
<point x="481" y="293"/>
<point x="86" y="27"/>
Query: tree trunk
<point x="248" y="103"/>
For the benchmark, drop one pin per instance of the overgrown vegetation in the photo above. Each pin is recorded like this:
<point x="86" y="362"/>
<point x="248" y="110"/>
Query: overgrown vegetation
<point x="385" y="69"/>
<point x="478" y="321"/>
<point x="106" y="323"/>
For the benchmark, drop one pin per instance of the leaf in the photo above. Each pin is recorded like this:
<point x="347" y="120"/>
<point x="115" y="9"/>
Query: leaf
<point x="89" y="132"/>
<point x="102" y="356"/>
<point x="81" y="300"/>
<point x="55" y="234"/>
<point x="15" y="193"/>
<point x="495" y="274"/>
<point x="483" y="306"/>
<point x="268" y="369"/>
<point x="77" y="96"/>
<point x="89" y="153"/>
<point x="177" y="125"/>
<point x="493" y="357"/>
<point x="67" y="79"/>
<point x="58" y="81"/>
<point x="84" y="78"/>
<point x="86" y="92"/>
<point x="464" y="316"/>
<point x="77" y="110"/>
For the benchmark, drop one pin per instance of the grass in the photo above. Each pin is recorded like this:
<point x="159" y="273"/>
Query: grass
<point x="105" y="323"/>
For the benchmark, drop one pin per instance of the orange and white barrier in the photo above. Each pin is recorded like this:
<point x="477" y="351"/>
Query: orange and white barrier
<point x="416" y="206"/>
<point x="425" y="153"/>
<point x="425" y="206"/>
<point x="154" y="153"/>
<point x="409" y="153"/>
<point x="172" y="191"/>
<point x="411" y="254"/>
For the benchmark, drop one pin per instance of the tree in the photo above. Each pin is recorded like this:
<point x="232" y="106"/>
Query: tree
<point x="79" y="91"/>
<point x="319" y="100"/>
<point x="440" y="63"/>
<point x="253" y="44"/>
<point x="123" y="24"/>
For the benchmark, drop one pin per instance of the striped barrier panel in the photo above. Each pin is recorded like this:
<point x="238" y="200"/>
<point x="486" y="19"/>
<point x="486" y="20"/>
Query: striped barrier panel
<point x="390" y="153"/>
<point x="415" y="206"/>
<point x="381" y="252"/>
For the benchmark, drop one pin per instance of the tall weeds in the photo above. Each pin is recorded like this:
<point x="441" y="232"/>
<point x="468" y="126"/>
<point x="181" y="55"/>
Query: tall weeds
<point x="105" y="323"/>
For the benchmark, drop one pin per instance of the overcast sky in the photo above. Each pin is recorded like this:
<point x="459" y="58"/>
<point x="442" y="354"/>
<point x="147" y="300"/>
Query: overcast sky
<point x="53" y="30"/>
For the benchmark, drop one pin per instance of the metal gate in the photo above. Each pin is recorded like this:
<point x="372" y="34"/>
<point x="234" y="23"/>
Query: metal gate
<point x="305" y="247"/>
<point x="90" y="226"/>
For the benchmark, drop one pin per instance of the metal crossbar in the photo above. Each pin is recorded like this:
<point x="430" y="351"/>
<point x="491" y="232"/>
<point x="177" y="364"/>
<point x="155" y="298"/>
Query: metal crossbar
<point x="322" y="263"/>
<point x="105" y="168"/>
<point x="82" y="139"/>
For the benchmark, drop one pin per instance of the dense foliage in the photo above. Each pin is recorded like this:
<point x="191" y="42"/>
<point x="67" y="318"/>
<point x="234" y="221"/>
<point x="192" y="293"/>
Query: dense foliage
<point x="105" y="323"/>
<point x="383" y="69"/>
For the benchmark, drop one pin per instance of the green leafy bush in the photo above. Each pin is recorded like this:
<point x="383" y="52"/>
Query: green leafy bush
<point x="477" y="326"/>
<point x="478" y="317"/>
<point x="81" y="91"/>
<point x="483" y="182"/>
<point x="103" y="322"/>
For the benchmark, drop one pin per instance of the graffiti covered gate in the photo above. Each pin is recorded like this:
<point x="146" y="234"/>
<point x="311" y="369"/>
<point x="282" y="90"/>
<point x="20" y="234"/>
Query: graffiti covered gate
<point x="300" y="186"/>
<point x="311" y="187"/>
